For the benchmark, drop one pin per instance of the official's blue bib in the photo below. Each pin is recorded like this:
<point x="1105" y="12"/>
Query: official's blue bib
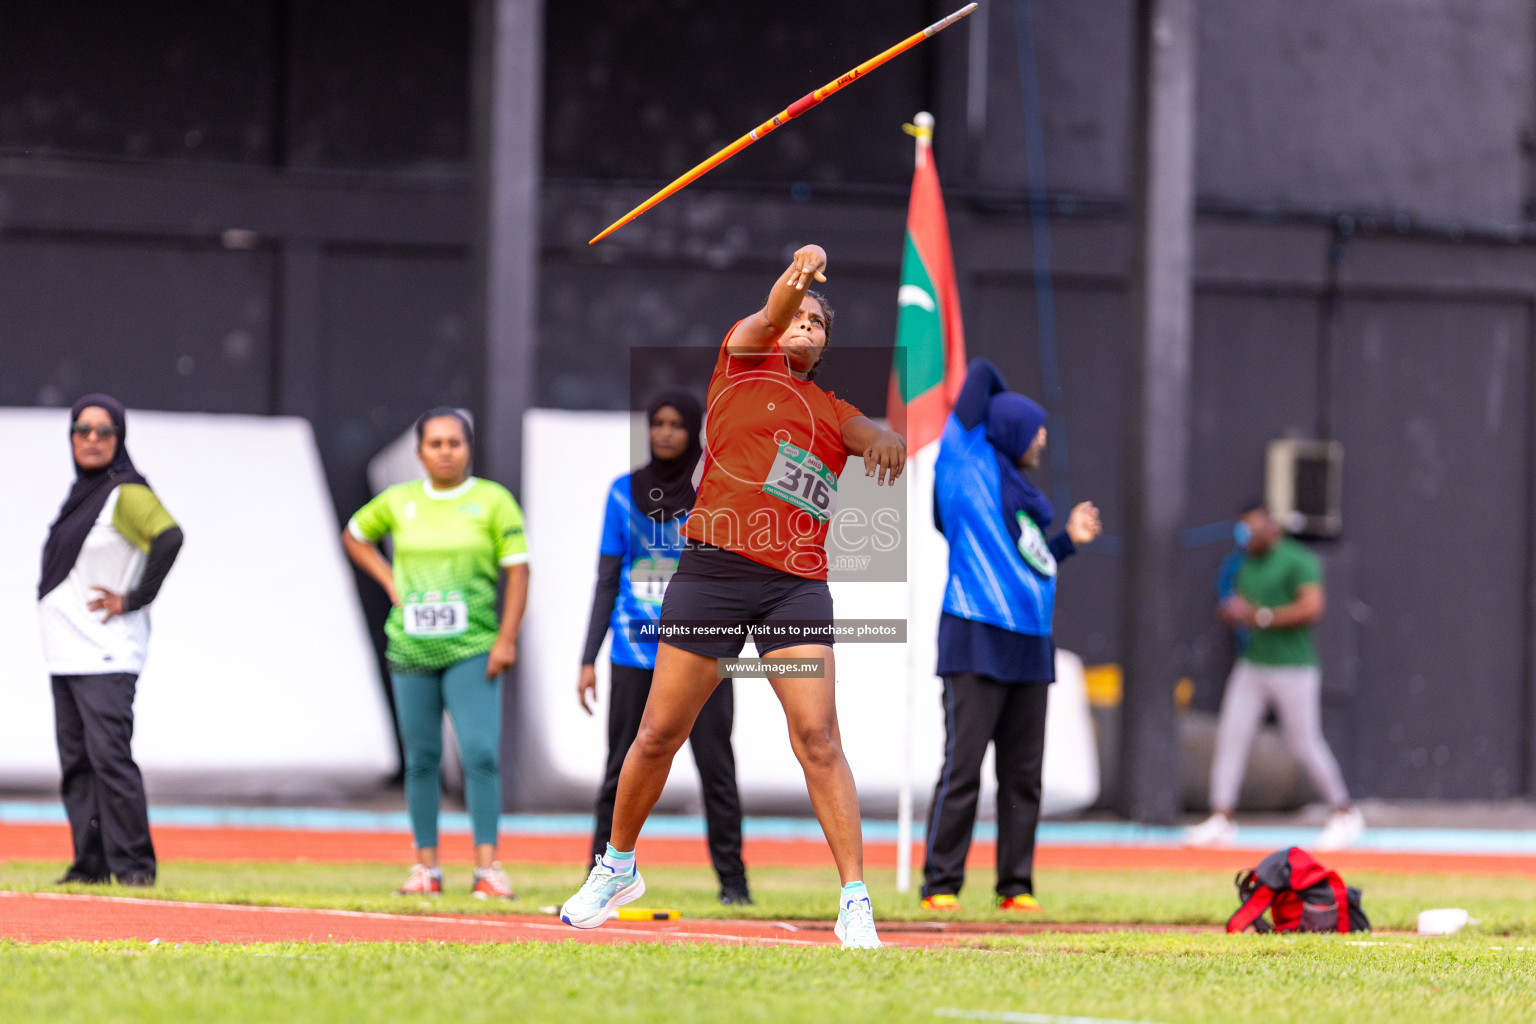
<point x="992" y="579"/>
<point x="650" y="551"/>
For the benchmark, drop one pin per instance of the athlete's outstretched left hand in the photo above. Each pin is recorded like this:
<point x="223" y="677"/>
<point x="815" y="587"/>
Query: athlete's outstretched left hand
<point x="503" y="656"/>
<point x="885" y="457"/>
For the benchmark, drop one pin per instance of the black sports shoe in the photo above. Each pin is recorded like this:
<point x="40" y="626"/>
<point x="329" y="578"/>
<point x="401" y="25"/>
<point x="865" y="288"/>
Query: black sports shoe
<point x="735" y="896"/>
<point x="73" y="877"/>
<point x="137" y="879"/>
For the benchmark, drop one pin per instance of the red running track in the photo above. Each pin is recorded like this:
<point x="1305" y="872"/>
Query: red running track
<point x="52" y="842"/>
<point x="54" y="917"/>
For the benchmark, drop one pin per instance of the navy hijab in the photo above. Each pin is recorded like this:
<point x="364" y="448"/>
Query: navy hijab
<point x="86" y="498"/>
<point x="663" y="488"/>
<point x="1012" y="423"/>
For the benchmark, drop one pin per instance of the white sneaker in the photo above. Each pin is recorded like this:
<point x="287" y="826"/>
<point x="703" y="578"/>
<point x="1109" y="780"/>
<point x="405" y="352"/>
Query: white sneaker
<point x="1343" y="828"/>
<point x="603" y="891"/>
<point x="492" y="883"/>
<point x="856" y="924"/>
<point x="423" y="881"/>
<point x="1217" y="830"/>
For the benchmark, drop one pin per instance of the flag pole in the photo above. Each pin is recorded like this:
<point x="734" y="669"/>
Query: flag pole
<point x="921" y="128"/>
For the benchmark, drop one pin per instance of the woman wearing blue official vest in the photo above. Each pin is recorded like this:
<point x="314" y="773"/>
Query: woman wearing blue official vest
<point x="640" y="547"/>
<point x="995" y="651"/>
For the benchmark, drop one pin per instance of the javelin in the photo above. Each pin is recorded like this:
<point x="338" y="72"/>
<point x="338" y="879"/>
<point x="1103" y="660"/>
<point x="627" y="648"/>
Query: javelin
<point x="794" y="110"/>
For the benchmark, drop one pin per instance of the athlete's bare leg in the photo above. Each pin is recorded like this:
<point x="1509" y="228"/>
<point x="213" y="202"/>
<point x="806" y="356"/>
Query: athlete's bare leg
<point x="682" y="683"/>
<point x="810" y="708"/>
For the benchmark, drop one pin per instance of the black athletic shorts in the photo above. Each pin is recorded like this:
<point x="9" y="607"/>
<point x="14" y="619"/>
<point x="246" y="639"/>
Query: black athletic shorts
<point x="718" y="596"/>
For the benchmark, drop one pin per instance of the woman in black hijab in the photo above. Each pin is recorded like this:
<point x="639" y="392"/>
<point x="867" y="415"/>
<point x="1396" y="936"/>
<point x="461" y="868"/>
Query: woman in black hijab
<point x="640" y="547"/>
<point x="107" y="553"/>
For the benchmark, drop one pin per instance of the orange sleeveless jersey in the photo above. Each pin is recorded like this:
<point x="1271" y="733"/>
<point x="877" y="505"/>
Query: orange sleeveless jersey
<point x="773" y="449"/>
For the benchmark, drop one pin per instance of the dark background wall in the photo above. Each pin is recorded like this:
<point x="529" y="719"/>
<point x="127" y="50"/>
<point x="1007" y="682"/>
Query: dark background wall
<point x="249" y="207"/>
<point x="265" y="207"/>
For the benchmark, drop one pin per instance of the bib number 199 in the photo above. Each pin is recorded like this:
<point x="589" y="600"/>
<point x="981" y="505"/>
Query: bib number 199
<point x="435" y="618"/>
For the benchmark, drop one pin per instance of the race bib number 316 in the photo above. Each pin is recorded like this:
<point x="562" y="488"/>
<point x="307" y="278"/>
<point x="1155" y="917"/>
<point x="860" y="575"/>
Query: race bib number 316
<point x="435" y="617"/>
<point x="804" y="481"/>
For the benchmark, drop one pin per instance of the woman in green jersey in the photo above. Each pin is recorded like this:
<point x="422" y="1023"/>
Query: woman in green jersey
<point x="455" y="538"/>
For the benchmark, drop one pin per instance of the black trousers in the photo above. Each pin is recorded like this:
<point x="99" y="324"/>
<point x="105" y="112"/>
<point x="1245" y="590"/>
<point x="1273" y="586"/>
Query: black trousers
<point x="711" y="742"/>
<point x="977" y="711"/>
<point x="103" y="791"/>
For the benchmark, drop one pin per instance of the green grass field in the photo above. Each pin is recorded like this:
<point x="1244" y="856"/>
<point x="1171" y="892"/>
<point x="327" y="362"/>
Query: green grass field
<point x="1482" y="974"/>
<point x="1121" y="976"/>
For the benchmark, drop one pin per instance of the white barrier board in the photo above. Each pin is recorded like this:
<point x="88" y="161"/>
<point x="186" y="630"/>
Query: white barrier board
<point x="570" y="459"/>
<point x="261" y="678"/>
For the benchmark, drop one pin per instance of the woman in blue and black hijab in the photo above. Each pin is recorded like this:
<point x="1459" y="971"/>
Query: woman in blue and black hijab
<point x="995" y="651"/>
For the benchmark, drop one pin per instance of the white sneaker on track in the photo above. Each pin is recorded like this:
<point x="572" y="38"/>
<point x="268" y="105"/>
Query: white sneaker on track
<point x="603" y="891"/>
<point x="856" y="924"/>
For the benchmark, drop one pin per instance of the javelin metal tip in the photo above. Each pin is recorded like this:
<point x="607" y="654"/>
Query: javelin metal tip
<point x="940" y="26"/>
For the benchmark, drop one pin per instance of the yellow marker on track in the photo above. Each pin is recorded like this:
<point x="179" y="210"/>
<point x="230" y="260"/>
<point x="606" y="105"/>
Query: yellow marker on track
<point x="646" y="914"/>
<point x="790" y="112"/>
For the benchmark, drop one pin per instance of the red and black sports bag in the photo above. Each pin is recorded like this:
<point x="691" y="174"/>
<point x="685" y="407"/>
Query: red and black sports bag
<point x="1300" y="895"/>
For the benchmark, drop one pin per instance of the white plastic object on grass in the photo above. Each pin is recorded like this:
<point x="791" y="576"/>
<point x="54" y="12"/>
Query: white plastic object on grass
<point x="1444" y="921"/>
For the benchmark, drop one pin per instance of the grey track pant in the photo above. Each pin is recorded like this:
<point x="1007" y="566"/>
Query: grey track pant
<point x="1295" y="693"/>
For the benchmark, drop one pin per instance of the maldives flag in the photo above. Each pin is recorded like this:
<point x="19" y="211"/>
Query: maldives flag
<point x="925" y="385"/>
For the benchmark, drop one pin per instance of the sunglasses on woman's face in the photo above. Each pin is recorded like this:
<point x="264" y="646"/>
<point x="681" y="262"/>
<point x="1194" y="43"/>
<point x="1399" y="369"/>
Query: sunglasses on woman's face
<point x="105" y="431"/>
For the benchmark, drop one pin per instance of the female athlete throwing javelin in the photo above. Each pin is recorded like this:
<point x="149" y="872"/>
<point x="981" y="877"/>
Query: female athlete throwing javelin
<point x="756" y="562"/>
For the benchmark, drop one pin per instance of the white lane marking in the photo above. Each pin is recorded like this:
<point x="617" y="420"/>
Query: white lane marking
<point x="378" y="916"/>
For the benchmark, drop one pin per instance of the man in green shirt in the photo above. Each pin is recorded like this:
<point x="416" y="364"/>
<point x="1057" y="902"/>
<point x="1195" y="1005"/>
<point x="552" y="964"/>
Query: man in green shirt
<point x="1277" y="596"/>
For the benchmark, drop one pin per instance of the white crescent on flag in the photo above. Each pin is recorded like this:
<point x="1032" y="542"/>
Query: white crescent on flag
<point x="912" y="295"/>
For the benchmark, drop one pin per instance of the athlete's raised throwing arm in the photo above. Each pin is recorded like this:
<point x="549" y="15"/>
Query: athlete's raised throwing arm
<point x="756" y="335"/>
<point x="799" y="327"/>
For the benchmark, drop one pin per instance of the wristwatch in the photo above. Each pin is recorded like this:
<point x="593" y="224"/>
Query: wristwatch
<point x="1263" y="617"/>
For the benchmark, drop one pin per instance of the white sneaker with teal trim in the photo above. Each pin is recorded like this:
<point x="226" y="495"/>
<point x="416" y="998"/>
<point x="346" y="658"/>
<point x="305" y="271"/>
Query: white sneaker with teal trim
<point x="856" y="924"/>
<point x="602" y="892"/>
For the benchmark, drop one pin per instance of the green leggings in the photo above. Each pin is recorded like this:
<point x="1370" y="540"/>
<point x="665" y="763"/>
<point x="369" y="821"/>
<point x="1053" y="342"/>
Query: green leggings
<point x="474" y="704"/>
